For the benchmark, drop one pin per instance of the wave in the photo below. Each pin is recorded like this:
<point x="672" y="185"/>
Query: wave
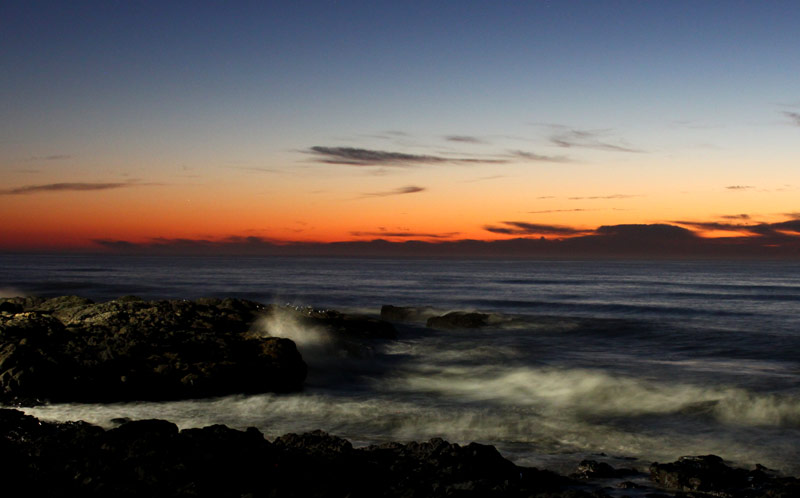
<point x="587" y="393"/>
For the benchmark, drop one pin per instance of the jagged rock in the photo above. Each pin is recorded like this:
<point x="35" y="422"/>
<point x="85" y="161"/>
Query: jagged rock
<point x="592" y="469"/>
<point x="71" y="349"/>
<point x="458" y="320"/>
<point x="153" y="458"/>
<point x="709" y="474"/>
<point x="405" y="313"/>
<point x="343" y="325"/>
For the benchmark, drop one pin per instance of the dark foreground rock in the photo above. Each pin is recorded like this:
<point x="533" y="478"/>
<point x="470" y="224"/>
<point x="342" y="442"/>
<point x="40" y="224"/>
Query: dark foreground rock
<point x="458" y="320"/>
<point x="69" y="348"/>
<point x="406" y="314"/>
<point x="153" y="458"/>
<point x="709" y="476"/>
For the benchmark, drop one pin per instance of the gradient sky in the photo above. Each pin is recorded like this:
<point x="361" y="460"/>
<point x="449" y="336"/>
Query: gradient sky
<point x="335" y="121"/>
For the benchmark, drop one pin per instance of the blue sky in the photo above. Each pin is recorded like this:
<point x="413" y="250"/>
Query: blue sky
<point x="656" y="97"/>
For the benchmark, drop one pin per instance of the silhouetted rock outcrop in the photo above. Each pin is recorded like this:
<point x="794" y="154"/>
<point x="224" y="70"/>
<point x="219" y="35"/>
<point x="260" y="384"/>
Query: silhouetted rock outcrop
<point x="710" y="476"/>
<point x="154" y="458"/>
<point x="71" y="349"/>
<point x="459" y="320"/>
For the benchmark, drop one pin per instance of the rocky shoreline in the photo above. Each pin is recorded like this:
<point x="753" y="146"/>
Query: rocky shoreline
<point x="153" y="458"/>
<point x="70" y="349"/>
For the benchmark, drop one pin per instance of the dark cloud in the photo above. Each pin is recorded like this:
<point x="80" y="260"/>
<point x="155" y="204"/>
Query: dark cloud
<point x="67" y="187"/>
<point x="739" y="187"/>
<point x="794" y="116"/>
<point x="530" y="156"/>
<point x="523" y="228"/>
<point x="769" y="230"/>
<point x="588" y="139"/>
<point x="405" y="235"/>
<point x="596" y="197"/>
<point x="466" y="139"/>
<point x="352" y="156"/>
<point x="776" y="240"/>
<point x="364" y="157"/>
<point x="644" y="232"/>
<point x="410" y="189"/>
<point x="736" y="217"/>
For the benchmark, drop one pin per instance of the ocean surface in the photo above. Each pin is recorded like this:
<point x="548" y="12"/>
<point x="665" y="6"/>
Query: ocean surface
<point x="624" y="361"/>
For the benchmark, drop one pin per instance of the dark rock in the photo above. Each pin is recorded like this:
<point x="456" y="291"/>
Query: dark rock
<point x="10" y="307"/>
<point x="21" y="303"/>
<point x="152" y="458"/>
<point x="405" y="314"/>
<point x="709" y="474"/>
<point x="458" y="320"/>
<point x="345" y="325"/>
<point x="129" y="349"/>
<point x="592" y="469"/>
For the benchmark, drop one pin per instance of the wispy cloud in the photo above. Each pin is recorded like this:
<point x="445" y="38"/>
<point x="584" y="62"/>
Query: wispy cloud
<point x="410" y="189"/>
<point x="736" y="217"/>
<point x="531" y="156"/>
<point x="69" y="187"/>
<point x="524" y="228"/>
<point x="739" y="187"/>
<point x="598" y="197"/>
<point x="773" y="230"/>
<point x="548" y="211"/>
<point x="484" y="178"/>
<point x="353" y="156"/>
<point x="466" y="139"/>
<point x="589" y="139"/>
<point x="794" y="116"/>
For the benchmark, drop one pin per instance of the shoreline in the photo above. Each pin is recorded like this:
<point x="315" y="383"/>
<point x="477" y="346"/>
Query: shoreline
<point x="70" y="349"/>
<point x="154" y="458"/>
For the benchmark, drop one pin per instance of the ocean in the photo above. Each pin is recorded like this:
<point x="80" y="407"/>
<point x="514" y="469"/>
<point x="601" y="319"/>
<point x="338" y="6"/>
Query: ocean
<point x="623" y="361"/>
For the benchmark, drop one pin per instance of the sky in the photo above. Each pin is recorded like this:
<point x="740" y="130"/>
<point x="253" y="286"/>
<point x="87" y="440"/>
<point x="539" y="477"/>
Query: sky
<point x="229" y="125"/>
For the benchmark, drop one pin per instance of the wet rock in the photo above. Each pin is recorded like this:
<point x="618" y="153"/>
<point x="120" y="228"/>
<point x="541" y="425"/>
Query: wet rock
<point x="10" y="307"/>
<point x="21" y="303"/>
<point x="405" y="314"/>
<point x="458" y="320"/>
<point x="153" y="458"/>
<point x="71" y="349"/>
<point x="592" y="469"/>
<point x="709" y="474"/>
<point x="347" y="326"/>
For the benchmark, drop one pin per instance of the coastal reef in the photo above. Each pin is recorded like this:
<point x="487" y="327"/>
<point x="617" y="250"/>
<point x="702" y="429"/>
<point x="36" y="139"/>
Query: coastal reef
<point x="155" y="458"/>
<point x="69" y="348"/>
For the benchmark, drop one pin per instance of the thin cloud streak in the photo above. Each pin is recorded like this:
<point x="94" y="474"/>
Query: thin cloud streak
<point x="410" y="189"/>
<point x="69" y="187"/>
<point x="598" y="197"/>
<point x="739" y="187"/>
<point x="353" y="156"/>
<point x="531" y="156"/>
<point x="466" y="139"/>
<point x="548" y="211"/>
<point x="524" y="228"/>
<point x="794" y="116"/>
<point x="588" y="139"/>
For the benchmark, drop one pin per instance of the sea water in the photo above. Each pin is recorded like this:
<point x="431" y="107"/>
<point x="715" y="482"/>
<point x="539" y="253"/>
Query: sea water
<point x="626" y="361"/>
